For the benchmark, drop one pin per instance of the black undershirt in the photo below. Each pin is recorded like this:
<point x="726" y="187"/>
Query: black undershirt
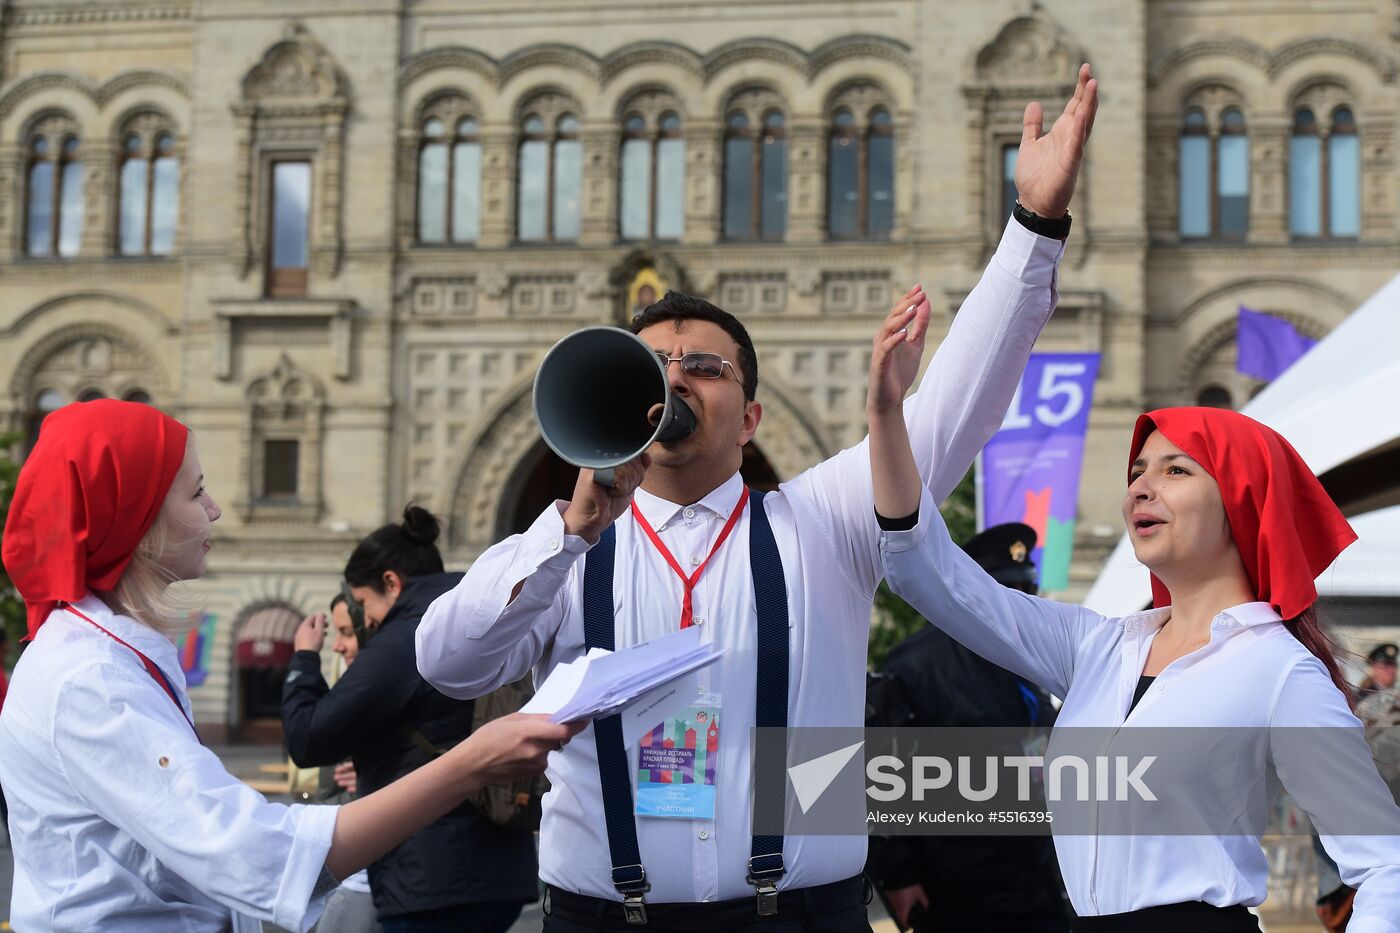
<point x="1143" y="683"/>
<point x="906" y="523"/>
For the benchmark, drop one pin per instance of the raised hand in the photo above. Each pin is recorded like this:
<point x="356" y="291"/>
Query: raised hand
<point x="311" y="633"/>
<point x="594" y="506"/>
<point x="898" y="348"/>
<point x="1047" y="164"/>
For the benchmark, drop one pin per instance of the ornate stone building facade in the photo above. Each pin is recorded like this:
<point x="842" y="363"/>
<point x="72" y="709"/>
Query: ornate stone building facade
<point x="336" y="238"/>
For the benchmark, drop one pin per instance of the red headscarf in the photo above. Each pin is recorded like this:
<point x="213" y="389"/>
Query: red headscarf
<point x="1285" y="526"/>
<point x="90" y="490"/>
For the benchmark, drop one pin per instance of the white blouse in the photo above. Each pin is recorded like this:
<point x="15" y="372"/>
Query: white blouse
<point x="1252" y="673"/>
<point x="120" y="820"/>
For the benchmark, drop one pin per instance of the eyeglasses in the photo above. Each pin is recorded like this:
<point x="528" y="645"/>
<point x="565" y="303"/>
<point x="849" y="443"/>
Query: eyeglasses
<point x="699" y="364"/>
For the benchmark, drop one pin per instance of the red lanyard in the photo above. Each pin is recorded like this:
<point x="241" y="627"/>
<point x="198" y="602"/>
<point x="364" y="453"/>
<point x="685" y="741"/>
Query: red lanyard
<point x="687" y="607"/>
<point x="156" y="673"/>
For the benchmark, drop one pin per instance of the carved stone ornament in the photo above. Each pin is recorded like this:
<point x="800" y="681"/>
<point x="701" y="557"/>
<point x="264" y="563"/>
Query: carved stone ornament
<point x="1028" y="49"/>
<point x="296" y="67"/>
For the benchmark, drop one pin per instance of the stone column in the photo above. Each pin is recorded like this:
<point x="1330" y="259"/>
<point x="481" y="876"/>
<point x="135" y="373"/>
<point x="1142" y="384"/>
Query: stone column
<point x="1163" y="181"/>
<point x="100" y="197"/>
<point x="498" y="145"/>
<point x="704" y="191"/>
<point x="600" y="167"/>
<point x="806" y="182"/>
<point x="1377" y="179"/>
<point x="1268" y="201"/>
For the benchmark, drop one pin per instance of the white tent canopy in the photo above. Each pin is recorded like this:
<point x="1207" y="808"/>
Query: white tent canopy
<point x="1335" y="404"/>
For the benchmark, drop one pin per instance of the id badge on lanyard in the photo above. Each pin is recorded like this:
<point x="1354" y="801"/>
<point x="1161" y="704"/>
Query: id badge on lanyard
<point x="678" y="764"/>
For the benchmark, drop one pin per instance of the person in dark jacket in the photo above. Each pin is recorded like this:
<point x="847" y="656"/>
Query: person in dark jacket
<point x="957" y="883"/>
<point x="463" y="872"/>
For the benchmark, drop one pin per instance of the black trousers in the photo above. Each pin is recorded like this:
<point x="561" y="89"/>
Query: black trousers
<point x="943" y="918"/>
<point x="1195" y="916"/>
<point x="828" y="908"/>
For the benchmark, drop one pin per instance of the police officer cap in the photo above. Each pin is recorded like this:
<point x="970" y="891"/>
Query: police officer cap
<point x="1004" y="551"/>
<point x="1386" y="652"/>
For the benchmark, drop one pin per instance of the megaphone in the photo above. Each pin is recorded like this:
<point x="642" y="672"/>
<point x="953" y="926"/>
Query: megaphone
<point x="602" y="398"/>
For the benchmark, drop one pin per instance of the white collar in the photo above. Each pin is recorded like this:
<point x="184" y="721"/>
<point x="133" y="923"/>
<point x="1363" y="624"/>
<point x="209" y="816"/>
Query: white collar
<point x="148" y="641"/>
<point x="721" y="500"/>
<point x="1243" y="616"/>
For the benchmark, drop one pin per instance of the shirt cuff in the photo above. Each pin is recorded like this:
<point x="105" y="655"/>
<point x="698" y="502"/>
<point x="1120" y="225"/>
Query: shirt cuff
<point x="895" y="540"/>
<point x="301" y="897"/>
<point x="308" y="662"/>
<point x="1030" y="257"/>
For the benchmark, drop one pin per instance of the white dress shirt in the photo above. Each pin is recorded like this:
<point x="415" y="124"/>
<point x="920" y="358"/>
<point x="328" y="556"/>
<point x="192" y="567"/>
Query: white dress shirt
<point x="475" y="639"/>
<point x="120" y="820"/>
<point x="1252" y="674"/>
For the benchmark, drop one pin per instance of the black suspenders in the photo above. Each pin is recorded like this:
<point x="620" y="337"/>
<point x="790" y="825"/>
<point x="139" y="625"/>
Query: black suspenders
<point x="771" y="696"/>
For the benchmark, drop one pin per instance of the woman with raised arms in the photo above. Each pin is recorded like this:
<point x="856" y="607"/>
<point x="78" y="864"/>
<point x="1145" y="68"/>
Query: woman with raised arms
<point x="1234" y="528"/>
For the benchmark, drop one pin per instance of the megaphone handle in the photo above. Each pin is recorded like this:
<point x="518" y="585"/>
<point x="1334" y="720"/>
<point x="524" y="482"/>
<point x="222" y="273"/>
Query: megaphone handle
<point x="604" y="477"/>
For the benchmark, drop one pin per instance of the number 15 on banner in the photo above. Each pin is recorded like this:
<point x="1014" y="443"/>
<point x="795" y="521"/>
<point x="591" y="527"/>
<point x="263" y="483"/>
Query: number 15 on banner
<point x="1058" y="388"/>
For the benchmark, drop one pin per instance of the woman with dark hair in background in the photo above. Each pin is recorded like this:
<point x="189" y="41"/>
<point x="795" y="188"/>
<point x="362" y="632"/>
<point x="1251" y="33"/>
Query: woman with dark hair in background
<point x="462" y="872"/>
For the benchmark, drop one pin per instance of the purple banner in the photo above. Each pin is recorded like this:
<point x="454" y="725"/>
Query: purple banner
<point x="1029" y="470"/>
<point x="1268" y="345"/>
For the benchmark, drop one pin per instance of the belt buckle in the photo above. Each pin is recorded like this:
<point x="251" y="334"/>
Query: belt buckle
<point x="634" y="909"/>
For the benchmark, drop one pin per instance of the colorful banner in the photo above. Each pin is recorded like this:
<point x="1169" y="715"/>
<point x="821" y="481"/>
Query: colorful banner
<point x="194" y="652"/>
<point x="1029" y="470"/>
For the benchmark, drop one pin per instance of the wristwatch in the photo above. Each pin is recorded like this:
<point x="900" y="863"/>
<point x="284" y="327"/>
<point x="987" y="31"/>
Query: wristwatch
<point x="1056" y="228"/>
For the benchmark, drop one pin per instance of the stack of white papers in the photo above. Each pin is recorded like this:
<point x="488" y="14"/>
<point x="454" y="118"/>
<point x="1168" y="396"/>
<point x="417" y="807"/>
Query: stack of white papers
<point x="604" y="682"/>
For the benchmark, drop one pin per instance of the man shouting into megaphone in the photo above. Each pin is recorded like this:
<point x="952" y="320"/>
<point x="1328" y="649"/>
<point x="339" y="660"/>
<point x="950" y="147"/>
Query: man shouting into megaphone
<point x="660" y="832"/>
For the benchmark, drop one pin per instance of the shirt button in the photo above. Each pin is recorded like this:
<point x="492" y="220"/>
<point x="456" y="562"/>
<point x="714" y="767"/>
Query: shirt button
<point x="554" y="544"/>
<point x="698" y="621"/>
<point x="704" y="834"/>
<point x="689" y="513"/>
<point x="695" y="562"/>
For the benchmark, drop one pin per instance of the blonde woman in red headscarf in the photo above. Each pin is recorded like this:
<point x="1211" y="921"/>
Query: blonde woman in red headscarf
<point x="1234" y="528"/>
<point x="120" y="819"/>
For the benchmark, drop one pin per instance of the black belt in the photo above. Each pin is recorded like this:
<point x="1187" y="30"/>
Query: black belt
<point x="799" y="904"/>
<point x="1197" y="916"/>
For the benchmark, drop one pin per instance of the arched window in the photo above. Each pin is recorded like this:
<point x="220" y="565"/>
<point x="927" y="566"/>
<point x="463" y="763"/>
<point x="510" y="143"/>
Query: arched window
<point x="1213" y="181"/>
<point x="1193" y="207"/>
<point x="550" y="178"/>
<point x="739" y="170"/>
<point x="860" y="175"/>
<point x="773" y="178"/>
<point x="149" y="195"/>
<point x="1214" y="396"/>
<point x="1305" y="175"/>
<point x="879" y="174"/>
<point x="1343" y="176"/>
<point x="1324" y="170"/>
<point x="54" y="201"/>
<point x="449" y="176"/>
<point x="653" y="173"/>
<point x="755" y="168"/>
<point x="46" y="403"/>
<point x="1232" y="175"/>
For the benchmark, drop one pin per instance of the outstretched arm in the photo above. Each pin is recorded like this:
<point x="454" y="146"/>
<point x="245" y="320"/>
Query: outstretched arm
<point x="969" y="384"/>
